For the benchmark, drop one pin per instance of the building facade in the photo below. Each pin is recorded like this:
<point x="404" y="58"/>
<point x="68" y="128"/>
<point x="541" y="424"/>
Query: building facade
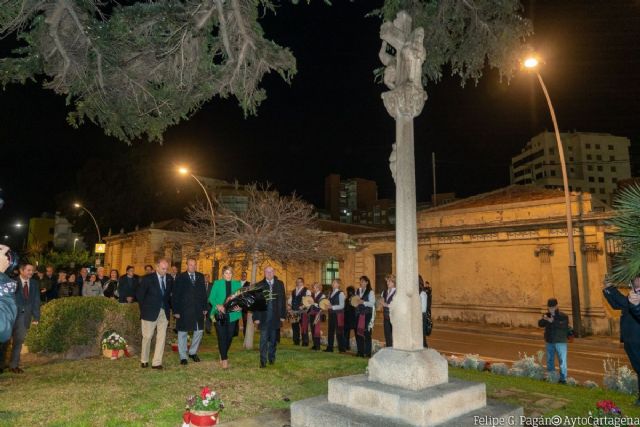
<point x="595" y="163"/>
<point x="355" y="201"/>
<point x="494" y="258"/>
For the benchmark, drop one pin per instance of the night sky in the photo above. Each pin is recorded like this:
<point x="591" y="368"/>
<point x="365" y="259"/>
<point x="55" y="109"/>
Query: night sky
<point x="331" y="118"/>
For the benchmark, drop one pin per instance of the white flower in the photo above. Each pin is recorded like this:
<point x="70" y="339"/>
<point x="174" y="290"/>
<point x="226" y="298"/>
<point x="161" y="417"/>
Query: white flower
<point x="208" y="396"/>
<point x="205" y="402"/>
<point x="213" y="394"/>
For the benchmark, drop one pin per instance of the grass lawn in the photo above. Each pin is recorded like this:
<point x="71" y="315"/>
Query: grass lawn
<point x="99" y="391"/>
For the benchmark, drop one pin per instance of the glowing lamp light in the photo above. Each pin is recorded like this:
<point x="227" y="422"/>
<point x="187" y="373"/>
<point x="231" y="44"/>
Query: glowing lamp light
<point x="531" y="62"/>
<point x="183" y="171"/>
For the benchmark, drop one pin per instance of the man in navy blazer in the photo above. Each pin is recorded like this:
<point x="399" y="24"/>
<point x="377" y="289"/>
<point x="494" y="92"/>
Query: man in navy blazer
<point x="153" y="295"/>
<point x="27" y="298"/>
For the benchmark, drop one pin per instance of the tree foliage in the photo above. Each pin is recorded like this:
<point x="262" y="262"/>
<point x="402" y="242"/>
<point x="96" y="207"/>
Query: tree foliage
<point x="627" y="224"/>
<point x="273" y="227"/>
<point x="138" y="67"/>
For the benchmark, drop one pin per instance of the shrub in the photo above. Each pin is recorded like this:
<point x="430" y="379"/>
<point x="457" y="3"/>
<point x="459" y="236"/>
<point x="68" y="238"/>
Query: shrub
<point x="527" y="366"/>
<point x="455" y="361"/>
<point x="499" y="369"/>
<point x="572" y="382"/>
<point x="473" y="361"/>
<point x="619" y="378"/>
<point x="590" y="384"/>
<point x="552" y="377"/>
<point x="77" y="321"/>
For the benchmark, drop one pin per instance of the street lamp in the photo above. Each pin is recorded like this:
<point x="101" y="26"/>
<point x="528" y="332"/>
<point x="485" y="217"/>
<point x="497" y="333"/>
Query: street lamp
<point x="532" y="63"/>
<point x="79" y="206"/>
<point x="74" y="243"/>
<point x="182" y="170"/>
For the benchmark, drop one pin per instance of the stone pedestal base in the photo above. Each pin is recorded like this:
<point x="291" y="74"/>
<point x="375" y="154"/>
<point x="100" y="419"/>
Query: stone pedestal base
<point x="403" y="388"/>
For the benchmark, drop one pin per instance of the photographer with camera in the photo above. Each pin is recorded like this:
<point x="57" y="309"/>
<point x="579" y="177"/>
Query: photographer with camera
<point x="629" y="320"/>
<point x="556" y="333"/>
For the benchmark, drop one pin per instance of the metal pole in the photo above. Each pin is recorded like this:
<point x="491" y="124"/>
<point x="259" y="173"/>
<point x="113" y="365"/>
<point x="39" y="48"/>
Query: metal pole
<point x="573" y="274"/>
<point x="433" y="168"/>
<point x="213" y="217"/>
<point x="94" y="221"/>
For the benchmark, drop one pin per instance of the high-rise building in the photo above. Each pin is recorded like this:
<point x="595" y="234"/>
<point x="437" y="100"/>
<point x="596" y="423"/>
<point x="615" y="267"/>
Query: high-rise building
<point x="355" y="201"/>
<point x="595" y="162"/>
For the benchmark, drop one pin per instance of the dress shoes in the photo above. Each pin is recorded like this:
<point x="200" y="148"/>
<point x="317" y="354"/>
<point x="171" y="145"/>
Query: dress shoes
<point x="194" y="357"/>
<point x="158" y="367"/>
<point x="263" y="365"/>
<point x="271" y="362"/>
<point x="16" y="370"/>
<point x="144" y="365"/>
<point x="183" y="361"/>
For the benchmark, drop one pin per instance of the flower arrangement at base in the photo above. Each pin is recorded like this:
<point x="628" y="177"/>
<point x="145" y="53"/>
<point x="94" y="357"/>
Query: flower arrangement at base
<point x="607" y="409"/>
<point x="114" y="346"/>
<point x="202" y="410"/>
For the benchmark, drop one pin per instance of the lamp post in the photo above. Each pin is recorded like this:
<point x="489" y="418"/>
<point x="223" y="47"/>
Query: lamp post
<point x="74" y="243"/>
<point x="532" y="64"/>
<point x="79" y="206"/>
<point x="185" y="171"/>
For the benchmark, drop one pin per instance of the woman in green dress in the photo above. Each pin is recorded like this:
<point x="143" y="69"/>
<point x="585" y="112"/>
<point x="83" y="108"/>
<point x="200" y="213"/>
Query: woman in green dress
<point x="225" y="322"/>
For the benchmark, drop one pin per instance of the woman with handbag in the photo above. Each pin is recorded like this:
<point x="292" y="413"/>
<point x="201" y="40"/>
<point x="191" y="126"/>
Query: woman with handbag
<point x="221" y="292"/>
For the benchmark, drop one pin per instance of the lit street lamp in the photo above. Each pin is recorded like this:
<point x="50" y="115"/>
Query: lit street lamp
<point x="74" y="243"/>
<point x="532" y="64"/>
<point x="185" y="171"/>
<point x="79" y="206"/>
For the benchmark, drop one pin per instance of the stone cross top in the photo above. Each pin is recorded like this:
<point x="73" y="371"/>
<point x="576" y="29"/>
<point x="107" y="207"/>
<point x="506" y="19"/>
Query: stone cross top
<point x="403" y="75"/>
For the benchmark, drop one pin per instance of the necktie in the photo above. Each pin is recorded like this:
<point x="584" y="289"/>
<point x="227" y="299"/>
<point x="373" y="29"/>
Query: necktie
<point x="25" y="289"/>
<point x="162" y="287"/>
<point x="193" y="278"/>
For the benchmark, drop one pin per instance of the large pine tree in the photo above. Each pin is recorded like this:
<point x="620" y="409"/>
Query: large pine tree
<point x="137" y="67"/>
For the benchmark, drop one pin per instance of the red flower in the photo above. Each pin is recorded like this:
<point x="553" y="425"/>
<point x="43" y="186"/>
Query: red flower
<point x="607" y="406"/>
<point x="204" y="392"/>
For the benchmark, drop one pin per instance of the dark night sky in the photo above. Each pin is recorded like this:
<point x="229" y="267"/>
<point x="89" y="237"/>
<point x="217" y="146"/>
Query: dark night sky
<point x="331" y="118"/>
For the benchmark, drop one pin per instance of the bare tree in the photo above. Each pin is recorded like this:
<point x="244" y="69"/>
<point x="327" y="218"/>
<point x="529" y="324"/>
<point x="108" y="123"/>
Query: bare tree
<point x="273" y="227"/>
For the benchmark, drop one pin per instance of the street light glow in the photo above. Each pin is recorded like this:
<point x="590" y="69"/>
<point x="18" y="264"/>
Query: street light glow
<point x="183" y="170"/>
<point x="531" y="62"/>
<point x="18" y="224"/>
<point x="76" y="205"/>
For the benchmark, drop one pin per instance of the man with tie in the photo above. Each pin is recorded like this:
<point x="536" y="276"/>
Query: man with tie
<point x="153" y="297"/>
<point x="269" y="321"/>
<point x="27" y="298"/>
<point x="189" y="308"/>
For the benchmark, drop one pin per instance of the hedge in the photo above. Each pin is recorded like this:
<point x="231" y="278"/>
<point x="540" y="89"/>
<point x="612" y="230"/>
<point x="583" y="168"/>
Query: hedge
<point x="81" y="321"/>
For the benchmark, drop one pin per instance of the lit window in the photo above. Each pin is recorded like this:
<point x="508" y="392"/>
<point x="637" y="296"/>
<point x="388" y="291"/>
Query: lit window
<point x="331" y="270"/>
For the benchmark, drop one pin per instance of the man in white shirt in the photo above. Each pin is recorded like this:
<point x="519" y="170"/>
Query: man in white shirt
<point x="336" y="317"/>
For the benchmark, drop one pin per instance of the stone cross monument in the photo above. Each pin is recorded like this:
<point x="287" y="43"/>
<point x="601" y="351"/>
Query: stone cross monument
<point x="403" y="75"/>
<point x="406" y="385"/>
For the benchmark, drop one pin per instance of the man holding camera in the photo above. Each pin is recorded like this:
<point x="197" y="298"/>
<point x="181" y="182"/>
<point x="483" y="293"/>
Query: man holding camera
<point x="629" y="320"/>
<point x="556" y="333"/>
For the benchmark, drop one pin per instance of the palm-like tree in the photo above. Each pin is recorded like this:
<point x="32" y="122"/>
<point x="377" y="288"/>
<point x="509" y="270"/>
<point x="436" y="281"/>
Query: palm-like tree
<point x="627" y="223"/>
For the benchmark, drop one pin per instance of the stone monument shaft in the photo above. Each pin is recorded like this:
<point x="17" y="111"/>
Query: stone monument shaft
<point x="404" y="102"/>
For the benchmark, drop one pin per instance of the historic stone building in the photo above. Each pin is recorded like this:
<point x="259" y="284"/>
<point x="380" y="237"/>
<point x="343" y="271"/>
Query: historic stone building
<point x="495" y="258"/>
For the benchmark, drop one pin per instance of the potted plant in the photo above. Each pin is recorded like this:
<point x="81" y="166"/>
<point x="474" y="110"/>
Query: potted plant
<point x="202" y="410"/>
<point x="114" y="346"/>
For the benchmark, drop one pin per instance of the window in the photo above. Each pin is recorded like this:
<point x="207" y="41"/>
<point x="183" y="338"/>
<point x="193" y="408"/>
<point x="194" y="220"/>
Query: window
<point x="590" y="167"/>
<point x="553" y="172"/>
<point x="330" y="271"/>
<point x="612" y="158"/>
<point x="598" y="157"/>
<point x="571" y="159"/>
<point x="614" y="180"/>
<point x="592" y="179"/>
<point x="539" y="175"/>
<point x="571" y="170"/>
<point x="552" y="151"/>
<point x="570" y="147"/>
<point x="597" y="146"/>
<point x="600" y="179"/>
<point x="613" y="169"/>
<point x="588" y="156"/>
<point x="599" y="168"/>
<point x="592" y="190"/>
<point x="602" y="191"/>
<point x="610" y="147"/>
<point x="588" y="145"/>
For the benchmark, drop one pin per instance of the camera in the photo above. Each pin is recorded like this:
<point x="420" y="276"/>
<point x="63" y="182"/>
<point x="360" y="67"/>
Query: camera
<point x="14" y="261"/>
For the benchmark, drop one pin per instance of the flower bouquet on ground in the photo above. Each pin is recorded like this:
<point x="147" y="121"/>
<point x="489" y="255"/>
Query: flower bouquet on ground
<point x="203" y="409"/>
<point x="114" y="346"/>
<point x="607" y="410"/>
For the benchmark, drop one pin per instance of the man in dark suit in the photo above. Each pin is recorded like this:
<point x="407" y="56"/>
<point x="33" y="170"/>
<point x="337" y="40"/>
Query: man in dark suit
<point x="127" y="286"/>
<point x="153" y="295"/>
<point x="270" y="320"/>
<point x="189" y="308"/>
<point x="629" y="321"/>
<point x="27" y="298"/>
